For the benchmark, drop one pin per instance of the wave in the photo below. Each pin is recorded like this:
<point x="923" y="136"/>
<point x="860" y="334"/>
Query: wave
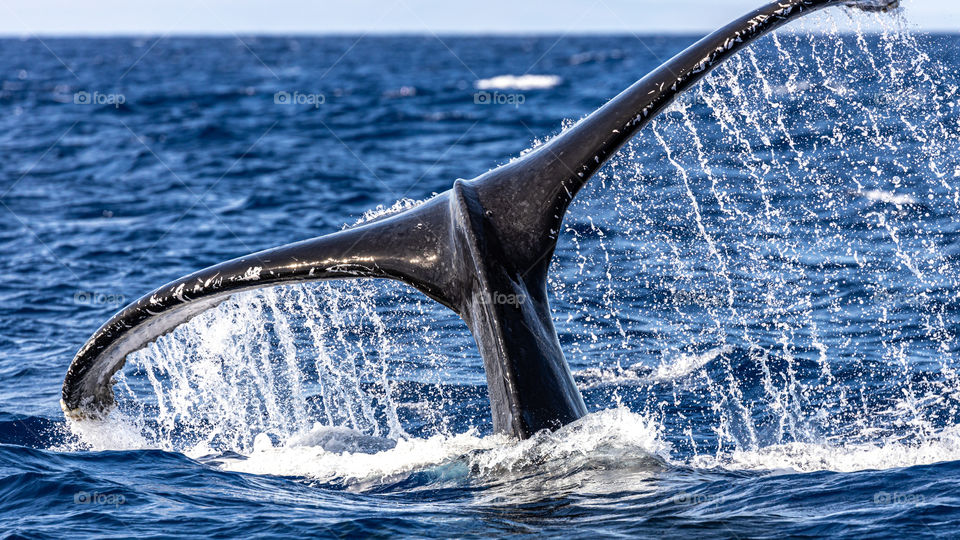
<point x="601" y="442"/>
<point x="674" y="368"/>
<point x="358" y="469"/>
<point x="614" y="438"/>
<point x="604" y="452"/>
<point x="685" y="364"/>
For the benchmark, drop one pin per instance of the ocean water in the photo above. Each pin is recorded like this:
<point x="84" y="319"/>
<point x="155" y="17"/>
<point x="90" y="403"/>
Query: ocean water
<point x="757" y="297"/>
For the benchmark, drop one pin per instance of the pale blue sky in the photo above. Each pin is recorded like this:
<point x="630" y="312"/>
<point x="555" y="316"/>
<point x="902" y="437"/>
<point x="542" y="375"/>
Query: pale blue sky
<point x="46" y="17"/>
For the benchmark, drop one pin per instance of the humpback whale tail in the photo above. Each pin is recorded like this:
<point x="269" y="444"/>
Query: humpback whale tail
<point x="482" y="249"/>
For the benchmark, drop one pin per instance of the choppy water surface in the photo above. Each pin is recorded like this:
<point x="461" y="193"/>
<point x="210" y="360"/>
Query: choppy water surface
<point x="757" y="298"/>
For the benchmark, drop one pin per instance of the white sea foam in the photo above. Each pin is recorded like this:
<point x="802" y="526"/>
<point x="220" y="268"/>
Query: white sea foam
<point x="810" y="457"/>
<point x="360" y="468"/>
<point x="611" y="438"/>
<point x="115" y="432"/>
<point x="519" y="82"/>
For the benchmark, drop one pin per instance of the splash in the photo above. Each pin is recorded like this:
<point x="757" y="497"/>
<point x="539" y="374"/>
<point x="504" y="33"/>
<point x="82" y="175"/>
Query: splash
<point x="276" y="362"/>
<point x="771" y="261"/>
<point x="614" y="439"/>
<point x="381" y="211"/>
<point x="784" y="231"/>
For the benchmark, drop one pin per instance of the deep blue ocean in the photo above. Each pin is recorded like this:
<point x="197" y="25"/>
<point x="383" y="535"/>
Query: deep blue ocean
<point x="757" y="297"/>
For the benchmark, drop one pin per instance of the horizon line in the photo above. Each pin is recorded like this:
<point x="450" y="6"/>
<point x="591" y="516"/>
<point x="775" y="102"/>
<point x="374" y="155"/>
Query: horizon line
<point x="427" y="34"/>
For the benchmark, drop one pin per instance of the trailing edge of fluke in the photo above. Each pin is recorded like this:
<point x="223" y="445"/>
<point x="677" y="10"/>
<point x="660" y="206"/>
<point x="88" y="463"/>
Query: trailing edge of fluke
<point x="484" y="239"/>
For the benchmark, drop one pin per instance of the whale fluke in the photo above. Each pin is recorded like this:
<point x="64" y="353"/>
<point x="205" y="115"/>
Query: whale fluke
<point x="482" y="249"/>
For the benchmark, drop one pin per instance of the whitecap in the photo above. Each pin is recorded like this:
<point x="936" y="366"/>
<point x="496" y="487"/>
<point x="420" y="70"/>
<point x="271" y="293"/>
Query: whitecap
<point x="519" y="82"/>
